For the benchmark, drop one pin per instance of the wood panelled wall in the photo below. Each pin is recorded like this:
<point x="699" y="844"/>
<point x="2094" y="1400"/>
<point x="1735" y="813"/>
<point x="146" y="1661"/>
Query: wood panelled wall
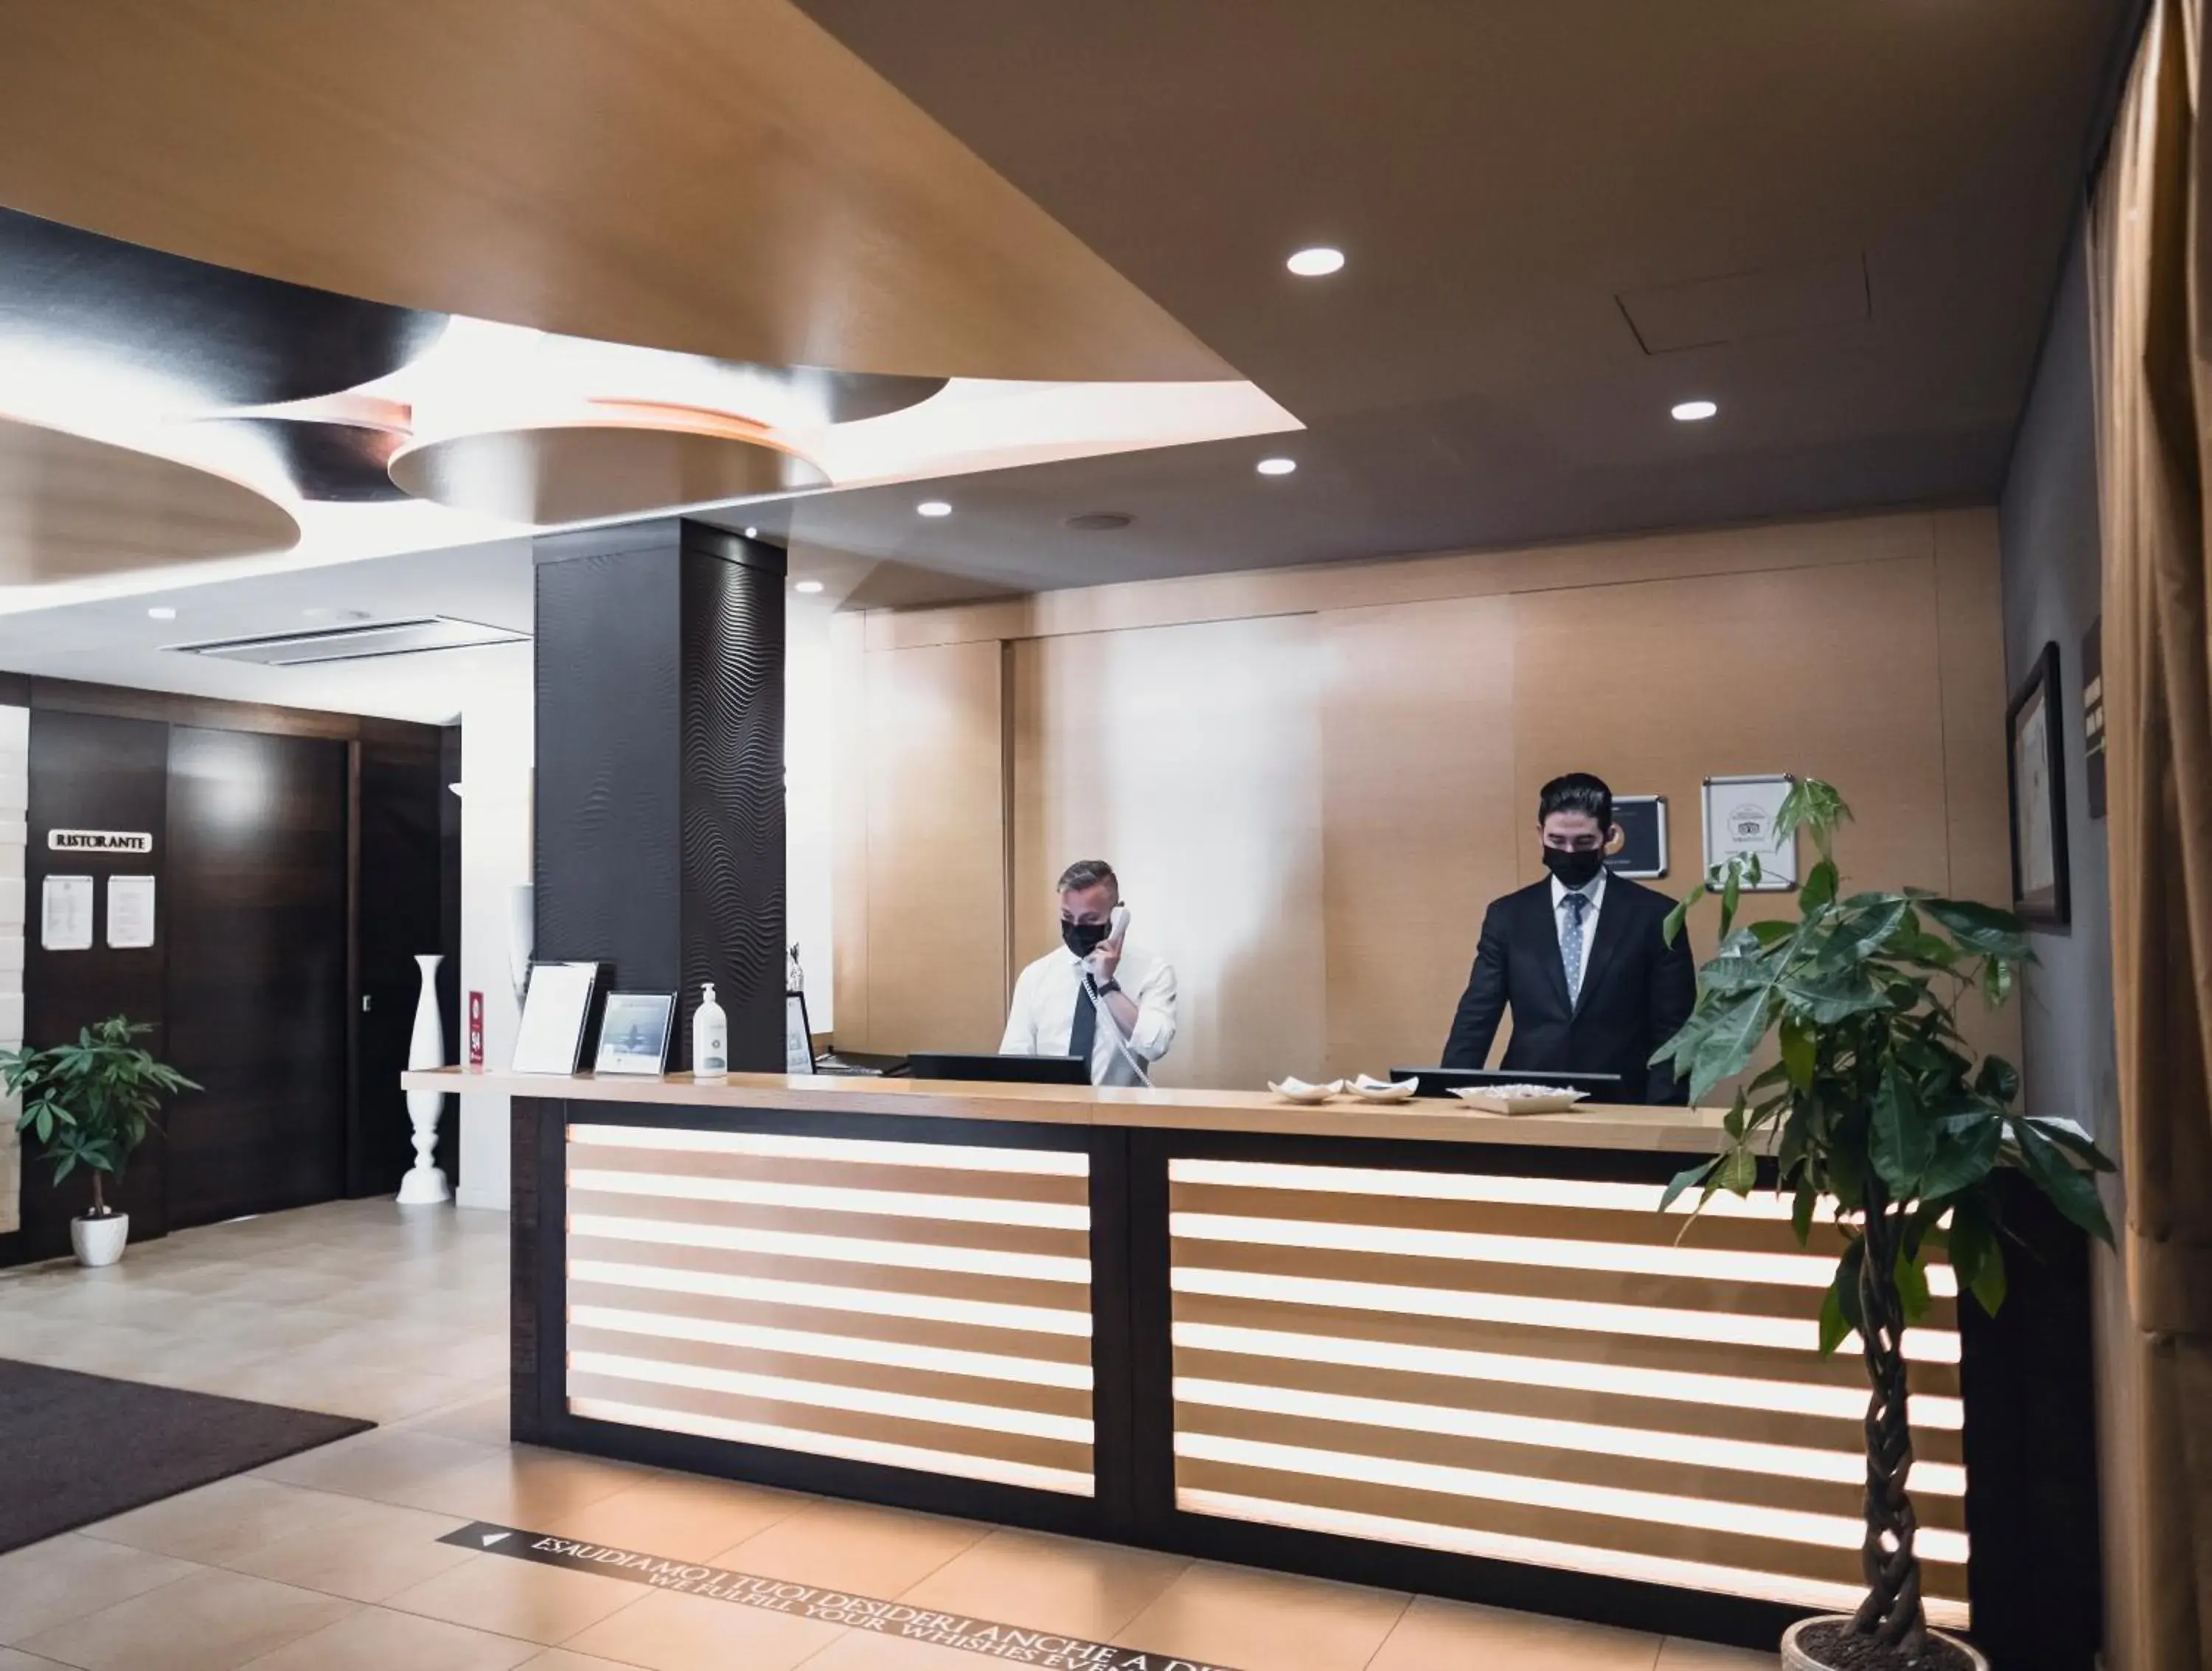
<point x="1312" y="780"/>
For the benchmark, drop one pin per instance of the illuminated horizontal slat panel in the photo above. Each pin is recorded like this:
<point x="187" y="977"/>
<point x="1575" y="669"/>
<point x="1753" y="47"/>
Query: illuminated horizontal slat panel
<point x="911" y="1305"/>
<point x="1799" y="1377"/>
<point x="1504" y="1365"/>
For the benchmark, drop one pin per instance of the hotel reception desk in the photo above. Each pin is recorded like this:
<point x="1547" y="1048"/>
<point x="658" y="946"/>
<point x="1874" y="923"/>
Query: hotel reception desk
<point x="1422" y="1347"/>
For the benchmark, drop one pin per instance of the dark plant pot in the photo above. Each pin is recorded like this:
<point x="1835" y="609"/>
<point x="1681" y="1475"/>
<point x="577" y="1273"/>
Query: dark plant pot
<point x="1795" y="1658"/>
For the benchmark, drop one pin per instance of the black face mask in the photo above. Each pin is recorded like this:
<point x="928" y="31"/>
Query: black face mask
<point x="1083" y="937"/>
<point x="1575" y="870"/>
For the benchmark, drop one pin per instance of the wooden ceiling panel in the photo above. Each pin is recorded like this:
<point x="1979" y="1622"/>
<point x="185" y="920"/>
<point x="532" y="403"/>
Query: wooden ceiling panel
<point x="720" y="177"/>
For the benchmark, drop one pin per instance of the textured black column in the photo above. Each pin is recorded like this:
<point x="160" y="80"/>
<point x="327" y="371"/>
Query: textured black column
<point x="660" y="787"/>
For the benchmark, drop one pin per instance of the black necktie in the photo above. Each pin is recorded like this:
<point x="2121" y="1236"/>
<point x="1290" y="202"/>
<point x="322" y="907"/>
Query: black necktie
<point x="1084" y="1029"/>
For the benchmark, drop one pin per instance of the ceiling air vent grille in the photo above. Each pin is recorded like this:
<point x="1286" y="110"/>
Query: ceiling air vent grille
<point x="356" y="643"/>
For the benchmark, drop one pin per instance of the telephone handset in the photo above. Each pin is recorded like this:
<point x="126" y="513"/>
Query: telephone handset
<point x="1117" y="930"/>
<point x="1118" y="927"/>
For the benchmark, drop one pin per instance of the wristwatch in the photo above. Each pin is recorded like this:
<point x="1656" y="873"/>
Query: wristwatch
<point x="1108" y="985"/>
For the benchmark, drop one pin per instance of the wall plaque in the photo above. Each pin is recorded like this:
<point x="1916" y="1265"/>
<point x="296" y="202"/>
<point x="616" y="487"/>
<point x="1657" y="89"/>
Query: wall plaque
<point x="99" y="841"/>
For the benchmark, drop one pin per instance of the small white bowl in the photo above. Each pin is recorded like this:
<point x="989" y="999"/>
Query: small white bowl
<point x="1297" y="1091"/>
<point x="1369" y="1088"/>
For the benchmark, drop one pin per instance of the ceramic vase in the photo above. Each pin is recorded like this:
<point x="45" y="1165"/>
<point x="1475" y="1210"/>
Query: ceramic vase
<point x="424" y="1184"/>
<point x="99" y="1241"/>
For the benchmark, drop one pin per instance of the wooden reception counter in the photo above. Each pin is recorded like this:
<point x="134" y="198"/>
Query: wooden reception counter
<point x="1420" y="1347"/>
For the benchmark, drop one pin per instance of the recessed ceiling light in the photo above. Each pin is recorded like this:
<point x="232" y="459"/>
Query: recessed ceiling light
<point x="752" y="533"/>
<point x="163" y="612"/>
<point x="934" y="507"/>
<point x="1694" y="411"/>
<point x="1319" y="262"/>
<point x="1277" y="466"/>
<point x="810" y="587"/>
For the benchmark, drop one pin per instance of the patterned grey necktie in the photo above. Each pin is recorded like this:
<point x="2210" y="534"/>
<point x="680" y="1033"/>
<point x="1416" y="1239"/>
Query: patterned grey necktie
<point x="1570" y="947"/>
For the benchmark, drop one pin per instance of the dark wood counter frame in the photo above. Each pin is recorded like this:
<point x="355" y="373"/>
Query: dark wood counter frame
<point x="2029" y="1510"/>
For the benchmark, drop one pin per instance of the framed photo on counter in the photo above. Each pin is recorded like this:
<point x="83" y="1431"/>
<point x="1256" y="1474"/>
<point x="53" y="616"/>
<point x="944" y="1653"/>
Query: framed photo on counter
<point x="2036" y="778"/>
<point x="634" y="1032"/>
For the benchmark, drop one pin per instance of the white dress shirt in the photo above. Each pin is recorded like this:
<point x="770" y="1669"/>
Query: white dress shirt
<point x="1594" y="892"/>
<point x="1040" y="1020"/>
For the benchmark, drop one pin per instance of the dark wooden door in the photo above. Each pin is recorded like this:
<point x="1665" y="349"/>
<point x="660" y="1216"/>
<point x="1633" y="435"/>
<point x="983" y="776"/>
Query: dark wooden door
<point x="90" y="771"/>
<point x="256" y="965"/>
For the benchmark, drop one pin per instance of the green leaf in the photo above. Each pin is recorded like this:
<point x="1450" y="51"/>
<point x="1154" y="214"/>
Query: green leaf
<point x="1818" y="891"/>
<point x="1976" y="1256"/>
<point x="1676" y="917"/>
<point x="1835" y="1327"/>
<point x="1912" y="1279"/>
<point x="1800" y="1051"/>
<point x="1730" y="891"/>
<point x="2071" y="1190"/>
<point x="2069" y="1135"/>
<point x="1688" y="1179"/>
<point x="1738" y="1173"/>
<point x="1769" y="933"/>
<point x="1965" y="1152"/>
<point x="1982" y="928"/>
<point x="1999" y="1081"/>
<point x="1903" y="1141"/>
<point x="1800" y="1213"/>
<point x="1736" y="1030"/>
<point x="1995" y="980"/>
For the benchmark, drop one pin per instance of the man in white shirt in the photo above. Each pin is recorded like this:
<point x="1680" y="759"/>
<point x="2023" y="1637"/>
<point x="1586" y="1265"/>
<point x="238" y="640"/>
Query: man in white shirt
<point x="1581" y="959"/>
<point x="1094" y="997"/>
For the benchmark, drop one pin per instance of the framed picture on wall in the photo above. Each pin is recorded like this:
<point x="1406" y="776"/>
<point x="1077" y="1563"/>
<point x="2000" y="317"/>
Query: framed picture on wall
<point x="2036" y="770"/>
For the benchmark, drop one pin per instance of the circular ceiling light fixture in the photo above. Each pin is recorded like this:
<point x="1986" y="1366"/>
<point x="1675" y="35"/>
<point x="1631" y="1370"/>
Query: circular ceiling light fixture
<point x="1694" y="411"/>
<point x="163" y="612"/>
<point x="752" y="533"/>
<point x="1276" y="467"/>
<point x="1100" y="522"/>
<point x="810" y="587"/>
<point x="1318" y="261"/>
<point x="933" y="507"/>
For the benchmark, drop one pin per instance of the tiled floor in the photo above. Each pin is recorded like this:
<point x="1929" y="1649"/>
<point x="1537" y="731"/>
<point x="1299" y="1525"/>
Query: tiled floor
<point x="329" y="1561"/>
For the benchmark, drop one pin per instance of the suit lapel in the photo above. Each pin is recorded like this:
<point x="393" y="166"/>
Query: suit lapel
<point x="1612" y="929"/>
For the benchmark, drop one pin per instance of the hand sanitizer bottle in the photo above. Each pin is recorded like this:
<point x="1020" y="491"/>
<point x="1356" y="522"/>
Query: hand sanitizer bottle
<point x="710" y="1038"/>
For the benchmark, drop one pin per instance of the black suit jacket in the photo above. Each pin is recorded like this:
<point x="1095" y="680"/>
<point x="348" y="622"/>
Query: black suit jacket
<point x="1637" y="991"/>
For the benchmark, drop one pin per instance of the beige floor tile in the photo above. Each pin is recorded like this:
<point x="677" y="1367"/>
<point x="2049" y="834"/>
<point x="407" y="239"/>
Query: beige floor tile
<point x="1086" y="1590"/>
<point x="375" y="1639"/>
<point x="853" y="1547"/>
<point x="561" y="1659"/>
<point x="668" y="1633"/>
<point x="1680" y="1653"/>
<point x="373" y="1554"/>
<point x="206" y="1621"/>
<point x="218" y="1521"/>
<point x="523" y="1486"/>
<point x="14" y="1658"/>
<point x="677" y="1514"/>
<point x="864" y="1650"/>
<point x="482" y="1421"/>
<point x="45" y="1584"/>
<point x="1435" y="1634"/>
<point x="542" y="1604"/>
<point x="380" y="1465"/>
<point x="1266" y="1621"/>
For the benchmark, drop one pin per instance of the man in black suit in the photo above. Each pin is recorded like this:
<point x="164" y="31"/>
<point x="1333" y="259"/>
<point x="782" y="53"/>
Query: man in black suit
<point x="1583" y="960"/>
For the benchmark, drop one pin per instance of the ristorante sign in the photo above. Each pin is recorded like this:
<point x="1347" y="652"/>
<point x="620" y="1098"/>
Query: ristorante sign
<point x="99" y="841"/>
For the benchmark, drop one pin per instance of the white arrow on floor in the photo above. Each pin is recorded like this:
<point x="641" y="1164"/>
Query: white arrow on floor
<point x="491" y="1538"/>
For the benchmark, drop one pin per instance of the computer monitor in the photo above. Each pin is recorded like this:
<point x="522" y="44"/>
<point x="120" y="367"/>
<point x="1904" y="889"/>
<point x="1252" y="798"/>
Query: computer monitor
<point x="1439" y="1081"/>
<point x="1018" y="1069"/>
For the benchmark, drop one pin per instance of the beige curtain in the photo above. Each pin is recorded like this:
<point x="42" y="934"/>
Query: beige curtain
<point x="2152" y="268"/>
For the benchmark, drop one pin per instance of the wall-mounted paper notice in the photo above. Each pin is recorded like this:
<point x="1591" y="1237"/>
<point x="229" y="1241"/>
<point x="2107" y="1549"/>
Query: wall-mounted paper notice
<point x="130" y="912"/>
<point x="65" y="913"/>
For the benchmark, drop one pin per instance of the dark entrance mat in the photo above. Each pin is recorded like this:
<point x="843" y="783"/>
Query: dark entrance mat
<point x="76" y="1448"/>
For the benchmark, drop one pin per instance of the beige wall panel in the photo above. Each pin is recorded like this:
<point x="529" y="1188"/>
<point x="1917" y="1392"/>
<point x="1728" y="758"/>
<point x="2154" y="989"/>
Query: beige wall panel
<point x="936" y="849"/>
<point x="849" y="828"/>
<point x="1419" y="822"/>
<point x="1970" y="626"/>
<point x="1190" y="757"/>
<point x="1827" y="672"/>
<point x="1424" y="580"/>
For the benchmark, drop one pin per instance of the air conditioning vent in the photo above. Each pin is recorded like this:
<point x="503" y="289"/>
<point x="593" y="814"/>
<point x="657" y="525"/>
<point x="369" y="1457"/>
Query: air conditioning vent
<point x="357" y="643"/>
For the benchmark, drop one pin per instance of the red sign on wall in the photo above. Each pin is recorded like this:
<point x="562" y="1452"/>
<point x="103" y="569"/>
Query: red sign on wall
<point x="476" y="1029"/>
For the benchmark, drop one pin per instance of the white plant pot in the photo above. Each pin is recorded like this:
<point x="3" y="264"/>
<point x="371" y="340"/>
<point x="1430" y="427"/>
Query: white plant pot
<point x="1795" y="1658"/>
<point x="425" y="1184"/>
<point x="100" y="1241"/>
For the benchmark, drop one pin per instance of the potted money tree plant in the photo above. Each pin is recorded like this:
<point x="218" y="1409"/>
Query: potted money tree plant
<point x="90" y="1104"/>
<point x="1876" y="1111"/>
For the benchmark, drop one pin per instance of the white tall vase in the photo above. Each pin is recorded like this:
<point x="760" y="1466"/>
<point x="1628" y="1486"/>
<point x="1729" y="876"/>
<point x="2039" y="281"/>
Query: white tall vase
<point x="424" y="1184"/>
